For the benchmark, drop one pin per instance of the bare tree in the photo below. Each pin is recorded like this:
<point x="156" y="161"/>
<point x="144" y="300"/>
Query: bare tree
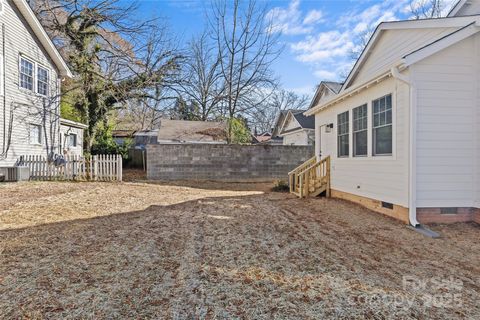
<point x="246" y="47"/>
<point x="263" y="118"/>
<point x="360" y="43"/>
<point x="427" y="9"/>
<point x="201" y="82"/>
<point x="115" y="58"/>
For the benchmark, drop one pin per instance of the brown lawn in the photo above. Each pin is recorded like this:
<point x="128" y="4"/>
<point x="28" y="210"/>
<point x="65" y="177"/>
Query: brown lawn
<point x="220" y="251"/>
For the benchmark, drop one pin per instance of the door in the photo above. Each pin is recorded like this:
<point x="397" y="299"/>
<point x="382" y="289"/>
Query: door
<point x="323" y="141"/>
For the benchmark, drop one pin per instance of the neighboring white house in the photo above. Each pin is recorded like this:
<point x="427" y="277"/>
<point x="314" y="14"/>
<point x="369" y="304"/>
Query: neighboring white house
<point x="71" y="137"/>
<point x="403" y="133"/>
<point x="31" y="70"/>
<point x="297" y="129"/>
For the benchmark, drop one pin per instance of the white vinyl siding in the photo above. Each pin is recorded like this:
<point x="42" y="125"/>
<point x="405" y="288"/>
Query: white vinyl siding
<point x="395" y="44"/>
<point x="446" y="130"/>
<point x="27" y="105"/>
<point x="382" y="178"/>
<point x="71" y="140"/>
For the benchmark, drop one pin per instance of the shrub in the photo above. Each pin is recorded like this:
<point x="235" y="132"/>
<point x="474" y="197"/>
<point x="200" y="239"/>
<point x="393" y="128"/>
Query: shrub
<point x="281" y="186"/>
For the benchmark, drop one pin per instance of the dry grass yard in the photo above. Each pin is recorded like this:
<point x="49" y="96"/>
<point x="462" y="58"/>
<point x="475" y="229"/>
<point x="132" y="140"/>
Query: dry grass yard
<point x="217" y="251"/>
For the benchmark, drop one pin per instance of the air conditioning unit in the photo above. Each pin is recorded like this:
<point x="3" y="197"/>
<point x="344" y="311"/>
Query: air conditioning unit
<point x="12" y="174"/>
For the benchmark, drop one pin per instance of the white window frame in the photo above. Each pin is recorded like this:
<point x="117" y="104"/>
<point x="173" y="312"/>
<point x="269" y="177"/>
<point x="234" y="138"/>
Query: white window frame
<point x="38" y="67"/>
<point x="343" y="134"/>
<point x="70" y="135"/>
<point x="365" y="129"/>
<point x="2" y="75"/>
<point x="391" y="124"/>
<point x="39" y="140"/>
<point x="20" y="73"/>
<point x="2" y="7"/>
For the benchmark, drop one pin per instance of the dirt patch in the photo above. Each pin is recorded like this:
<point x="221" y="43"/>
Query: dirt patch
<point x="175" y="251"/>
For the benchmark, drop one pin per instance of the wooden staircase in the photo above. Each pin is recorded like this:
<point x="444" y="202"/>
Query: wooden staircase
<point x="310" y="178"/>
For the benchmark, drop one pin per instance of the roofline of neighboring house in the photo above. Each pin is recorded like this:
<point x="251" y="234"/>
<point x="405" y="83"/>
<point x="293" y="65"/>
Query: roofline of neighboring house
<point x="404" y="24"/>
<point x="294" y="130"/>
<point x="42" y="36"/>
<point x="404" y="63"/>
<point x="73" y="123"/>
<point x="324" y="84"/>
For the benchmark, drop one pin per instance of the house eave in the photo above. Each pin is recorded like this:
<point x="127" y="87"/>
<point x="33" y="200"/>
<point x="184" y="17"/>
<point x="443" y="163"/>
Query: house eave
<point x="74" y="124"/>
<point x="355" y="90"/>
<point x="452" y="22"/>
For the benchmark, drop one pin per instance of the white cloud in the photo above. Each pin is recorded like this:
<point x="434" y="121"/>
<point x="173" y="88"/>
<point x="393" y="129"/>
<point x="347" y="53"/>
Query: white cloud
<point x="308" y="90"/>
<point x="289" y="20"/>
<point x="329" y="52"/>
<point x="324" y="46"/>
<point x="313" y="16"/>
<point x="325" y="75"/>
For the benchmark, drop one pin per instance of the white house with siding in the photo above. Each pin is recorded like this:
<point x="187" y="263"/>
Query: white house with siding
<point x="403" y="132"/>
<point x="297" y="129"/>
<point x="71" y="137"/>
<point x="31" y="72"/>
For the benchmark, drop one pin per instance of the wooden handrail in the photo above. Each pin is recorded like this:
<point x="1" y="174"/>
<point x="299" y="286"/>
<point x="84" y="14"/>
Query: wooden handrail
<point x="311" y="174"/>
<point x="303" y="165"/>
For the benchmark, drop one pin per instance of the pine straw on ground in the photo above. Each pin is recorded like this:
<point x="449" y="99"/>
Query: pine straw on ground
<point x="213" y="251"/>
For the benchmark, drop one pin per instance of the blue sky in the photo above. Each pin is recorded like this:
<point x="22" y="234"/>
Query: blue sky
<point x="318" y="35"/>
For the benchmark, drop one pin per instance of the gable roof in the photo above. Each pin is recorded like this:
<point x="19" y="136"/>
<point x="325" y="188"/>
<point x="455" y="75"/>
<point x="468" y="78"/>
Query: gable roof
<point x="333" y="87"/>
<point x="192" y="131"/>
<point x="408" y="59"/>
<point x="304" y="122"/>
<point x="441" y="43"/>
<point x="453" y="22"/>
<point x="42" y="36"/>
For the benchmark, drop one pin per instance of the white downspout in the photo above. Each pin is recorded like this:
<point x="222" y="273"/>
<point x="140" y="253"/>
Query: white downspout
<point x="412" y="172"/>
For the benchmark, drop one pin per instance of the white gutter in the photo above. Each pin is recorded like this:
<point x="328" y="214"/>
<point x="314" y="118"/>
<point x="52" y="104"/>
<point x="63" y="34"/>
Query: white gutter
<point x="412" y="172"/>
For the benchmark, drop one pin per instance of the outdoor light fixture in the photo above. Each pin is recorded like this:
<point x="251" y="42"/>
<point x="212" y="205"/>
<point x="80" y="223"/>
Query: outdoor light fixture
<point x="328" y="128"/>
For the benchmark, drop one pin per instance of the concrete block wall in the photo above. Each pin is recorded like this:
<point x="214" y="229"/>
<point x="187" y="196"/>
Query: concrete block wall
<point x="224" y="162"/>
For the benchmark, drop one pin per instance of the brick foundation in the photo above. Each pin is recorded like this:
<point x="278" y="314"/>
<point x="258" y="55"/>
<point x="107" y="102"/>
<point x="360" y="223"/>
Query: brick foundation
<point x="435" y="215"/>
<point x="424" y="215"/>
<point x="476" y="215"/>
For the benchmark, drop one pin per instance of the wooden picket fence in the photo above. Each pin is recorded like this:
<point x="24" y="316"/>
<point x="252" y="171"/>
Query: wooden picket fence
<point x="102" y="167"/>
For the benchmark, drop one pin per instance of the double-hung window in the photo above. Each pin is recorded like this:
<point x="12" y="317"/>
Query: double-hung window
<point x="35" y="134"/>
<point x="42" y="81"/>
<point x="360" y="131"/>
<point x="72" y="140"/>
<point x="382" y="126"/>
<point x="343" y="134"/>
<point x="26" y="74"/>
